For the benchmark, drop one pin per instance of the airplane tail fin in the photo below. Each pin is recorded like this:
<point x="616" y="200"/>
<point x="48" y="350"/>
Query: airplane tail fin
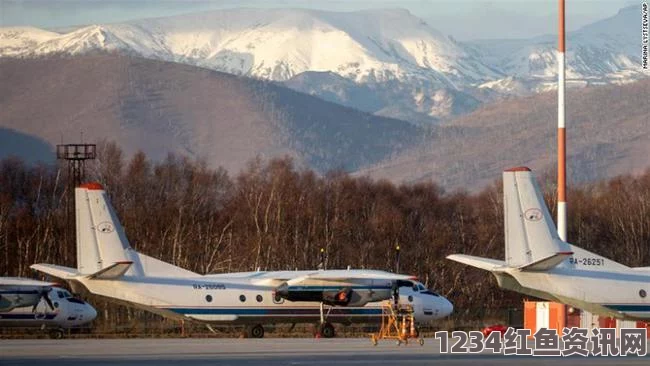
<point x="530" y="235"/>
<point x="101" y="241"/>
<point x="531" y="239"/>
<point x="103" y="250"/>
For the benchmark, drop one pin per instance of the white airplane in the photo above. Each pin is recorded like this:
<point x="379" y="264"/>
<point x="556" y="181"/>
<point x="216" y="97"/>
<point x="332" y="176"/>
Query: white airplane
<point x="538" y="263"/>
<point x="108" y="266"/>
<point x="30" y="303"/>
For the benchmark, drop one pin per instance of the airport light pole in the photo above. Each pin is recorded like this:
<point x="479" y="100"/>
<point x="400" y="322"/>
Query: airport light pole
<point x="561" y="132"/>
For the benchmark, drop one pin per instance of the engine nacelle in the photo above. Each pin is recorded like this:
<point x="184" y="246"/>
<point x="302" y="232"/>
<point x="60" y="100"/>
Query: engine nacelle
<point x="340" y="297"/>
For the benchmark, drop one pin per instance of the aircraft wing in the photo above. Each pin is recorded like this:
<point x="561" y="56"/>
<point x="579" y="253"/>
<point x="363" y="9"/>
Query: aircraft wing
<point x="349" y="276"/>
<point x="331" y="276"/>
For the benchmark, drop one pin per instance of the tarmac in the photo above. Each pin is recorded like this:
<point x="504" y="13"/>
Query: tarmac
<point x="269" y="351"/>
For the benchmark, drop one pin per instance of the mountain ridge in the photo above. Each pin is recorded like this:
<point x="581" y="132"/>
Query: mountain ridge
<point x="383" y="61"/>
<point x="163" y="107"/>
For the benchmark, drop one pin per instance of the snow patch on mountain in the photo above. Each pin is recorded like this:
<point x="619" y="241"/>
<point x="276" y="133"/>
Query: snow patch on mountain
<point x="384" y="61"/>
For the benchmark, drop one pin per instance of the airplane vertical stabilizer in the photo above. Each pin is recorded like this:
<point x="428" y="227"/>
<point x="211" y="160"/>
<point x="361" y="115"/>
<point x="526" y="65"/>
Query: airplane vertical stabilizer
<point x="530" y="235"/>
<point x="531" y="239"/>
<point x="103" y="250"/>
<point x="101" y="241"/>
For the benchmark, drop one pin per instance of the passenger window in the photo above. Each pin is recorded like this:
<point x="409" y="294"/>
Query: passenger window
<point x="242" y="298"/>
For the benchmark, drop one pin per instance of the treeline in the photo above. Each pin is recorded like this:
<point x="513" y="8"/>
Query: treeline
<point x="275" y="216"/>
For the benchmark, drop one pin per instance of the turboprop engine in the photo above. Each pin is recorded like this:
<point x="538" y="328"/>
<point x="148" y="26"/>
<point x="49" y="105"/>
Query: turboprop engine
<point x="344" y="296"/>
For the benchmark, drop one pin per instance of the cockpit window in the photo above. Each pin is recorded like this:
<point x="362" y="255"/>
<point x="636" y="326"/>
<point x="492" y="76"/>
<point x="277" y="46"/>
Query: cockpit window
<point x="63" y="294"/>
<point x="75" y="300"/>
<point x="429" y="292"/>
<point x="421" y="287"/>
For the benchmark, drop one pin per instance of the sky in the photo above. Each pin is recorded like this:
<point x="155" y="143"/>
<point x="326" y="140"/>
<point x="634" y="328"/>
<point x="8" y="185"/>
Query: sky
<point x="462" y="19"/>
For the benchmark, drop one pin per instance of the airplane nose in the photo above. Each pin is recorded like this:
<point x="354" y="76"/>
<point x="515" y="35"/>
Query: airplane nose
<point x="91" y="313"/>
<point x="446" y="308"/>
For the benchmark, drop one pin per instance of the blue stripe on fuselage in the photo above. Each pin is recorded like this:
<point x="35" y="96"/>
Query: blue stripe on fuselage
<point x="273" y="311"/>
<point x="26" y="316"/>
<point x="628" y="307"/>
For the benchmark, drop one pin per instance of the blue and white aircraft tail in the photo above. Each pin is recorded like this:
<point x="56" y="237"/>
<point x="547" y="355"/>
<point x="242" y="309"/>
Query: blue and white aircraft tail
<point x="108" y="266"/>
<point x="540" y="264"/>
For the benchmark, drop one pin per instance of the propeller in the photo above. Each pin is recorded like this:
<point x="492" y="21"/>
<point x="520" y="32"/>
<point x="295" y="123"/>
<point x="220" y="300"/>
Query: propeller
<point x="43" y="295"/>
<point x="395" y="290"/>
<point x="397" y="258"/>
<point x="321" y="264"/>
<point x="395" y="287"/>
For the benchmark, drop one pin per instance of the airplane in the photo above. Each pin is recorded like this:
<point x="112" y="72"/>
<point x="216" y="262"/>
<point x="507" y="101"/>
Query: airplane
<point x="108" y="266"/>
<point x="29" y="303"/>
<point x="538" y="263"/>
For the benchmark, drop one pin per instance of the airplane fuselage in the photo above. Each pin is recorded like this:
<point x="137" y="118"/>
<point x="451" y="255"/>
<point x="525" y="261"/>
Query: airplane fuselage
<point x="616" y="294"/>
<point x="240" y="301"/>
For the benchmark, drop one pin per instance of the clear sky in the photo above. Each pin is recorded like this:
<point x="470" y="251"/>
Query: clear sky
<point x="463" y="19"/>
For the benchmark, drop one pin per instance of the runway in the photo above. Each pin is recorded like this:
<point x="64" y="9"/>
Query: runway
<point x="271" y="351"/>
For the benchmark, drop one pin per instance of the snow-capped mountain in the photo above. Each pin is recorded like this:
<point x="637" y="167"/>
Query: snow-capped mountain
<point x="604" y="52"/>
<point x="386" y="62"/>
<point x="278" y="44"/>
<point x="16" y="41"/>
<point x="373" y="48"/>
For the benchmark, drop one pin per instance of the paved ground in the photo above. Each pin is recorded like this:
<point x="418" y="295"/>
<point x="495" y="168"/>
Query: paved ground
<point x="273" y="352"/>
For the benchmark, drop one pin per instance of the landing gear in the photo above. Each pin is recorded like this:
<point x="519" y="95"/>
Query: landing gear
<point x="255" y="331"/>
<point x="326" y="330"/>
<point x="56" y="333"/>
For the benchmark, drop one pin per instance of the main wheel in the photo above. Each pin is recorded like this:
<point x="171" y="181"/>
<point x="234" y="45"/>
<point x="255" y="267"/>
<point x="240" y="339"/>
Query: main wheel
<point x="326" y="330"/>
<point x="56" y="334"/>
<point x="256" y="331"/>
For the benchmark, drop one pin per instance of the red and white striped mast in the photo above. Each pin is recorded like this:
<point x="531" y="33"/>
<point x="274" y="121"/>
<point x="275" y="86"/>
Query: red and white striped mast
<point x="561" y="135"/>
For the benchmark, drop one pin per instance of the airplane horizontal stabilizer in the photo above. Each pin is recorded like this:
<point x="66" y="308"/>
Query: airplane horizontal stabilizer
<point x="112" y="272"/>
<point x="547" y="263"/>
<point x="17" y="281"/>
<point x="55" y="271"/>
<point x="478" y="262"/>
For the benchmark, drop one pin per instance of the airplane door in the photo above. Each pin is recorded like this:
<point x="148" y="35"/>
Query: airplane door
<point x="542" y="315"/>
